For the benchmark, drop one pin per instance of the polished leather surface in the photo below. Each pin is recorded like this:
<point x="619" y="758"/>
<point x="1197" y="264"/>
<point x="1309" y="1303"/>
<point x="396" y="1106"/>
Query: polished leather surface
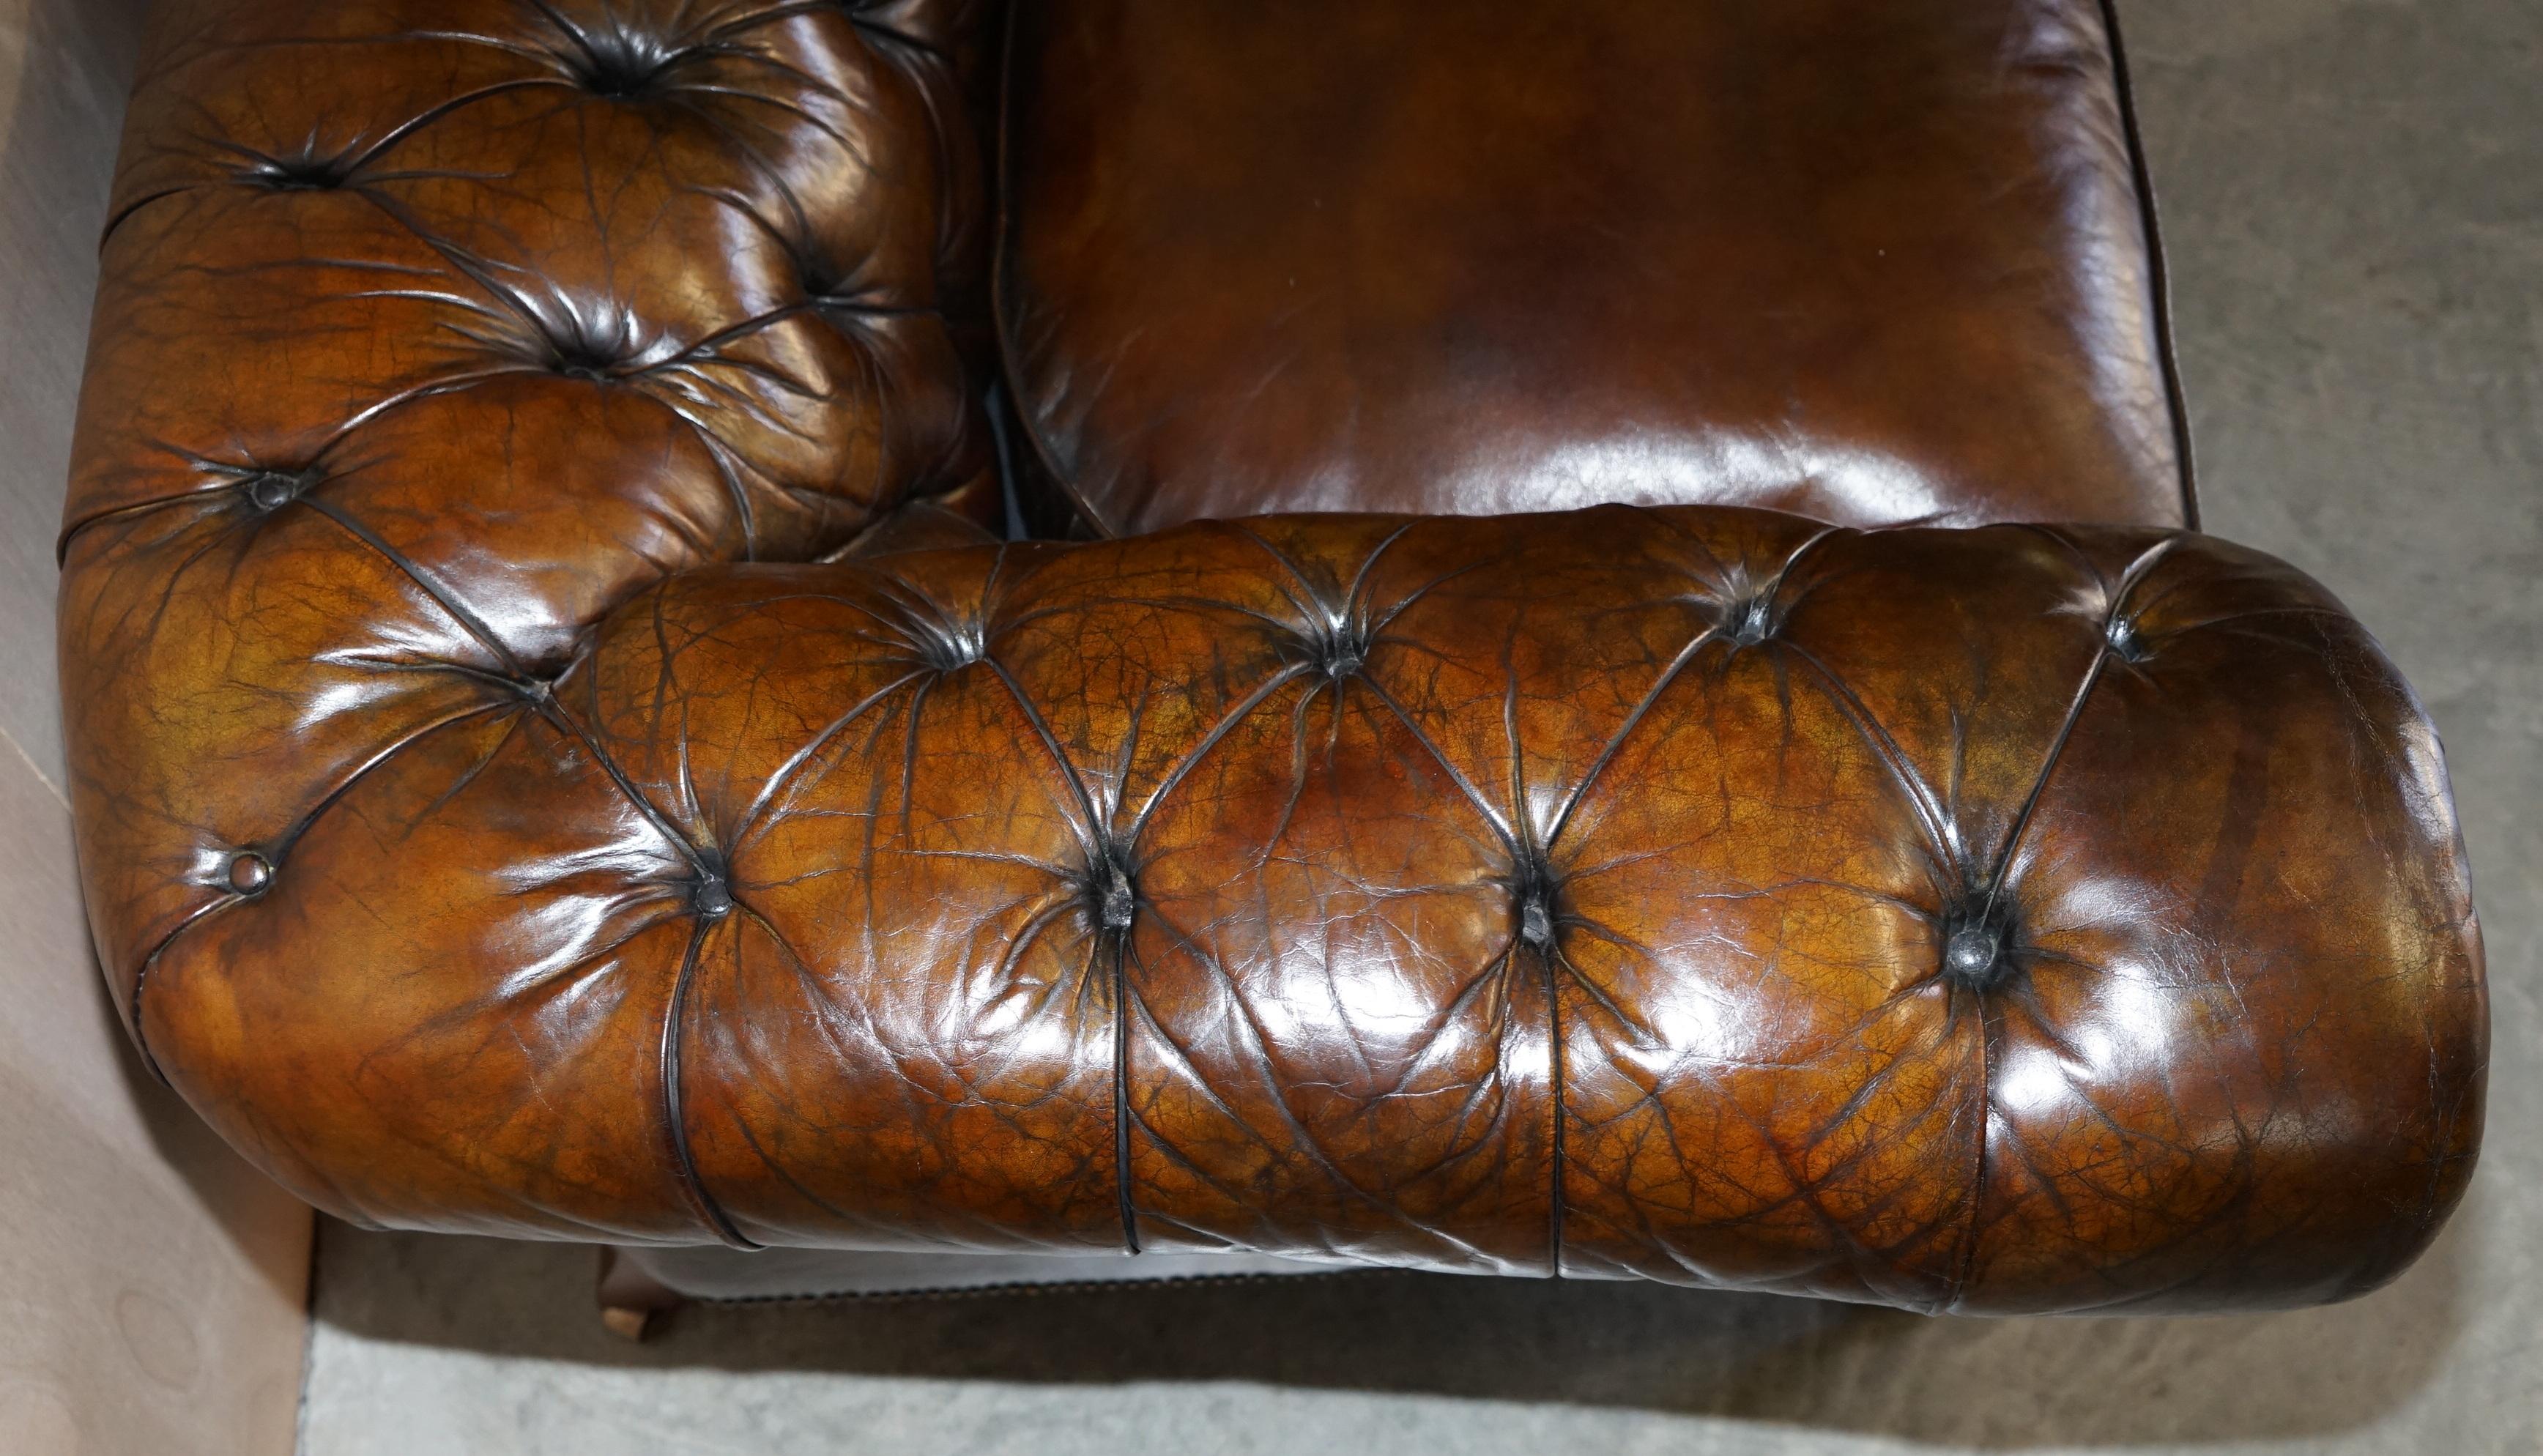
<point x="493" y="816"/>
<point x="2008" y="920"/>
<point x="456" y="323"/>
<point x="1871" y="262"/>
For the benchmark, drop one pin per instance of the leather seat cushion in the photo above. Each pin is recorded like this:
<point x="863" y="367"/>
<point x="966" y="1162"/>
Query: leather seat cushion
<point x="1869" y="264"/>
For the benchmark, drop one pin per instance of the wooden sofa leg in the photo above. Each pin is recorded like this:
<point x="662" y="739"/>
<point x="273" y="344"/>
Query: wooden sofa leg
<point x="631" y="1300"/>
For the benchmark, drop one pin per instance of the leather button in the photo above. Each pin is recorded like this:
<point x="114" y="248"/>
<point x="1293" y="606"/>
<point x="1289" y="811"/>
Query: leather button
<point x="1973" y="955"/>
<point x="1536" y="923"/>
<point x="307" y="173"/>
<point x="949" y="648"/>
<point x="249" y="872"/>
<point x="274" y="489"/>
<point x="711" y="899"/>
<point x="1535" y="896"/>
<point x="1116" y="900"/>
<point x="1750" y="622"/>
<point x="618" y="65"/>
<point x="2124" y="639"/>
<point x="1337" y="646"/>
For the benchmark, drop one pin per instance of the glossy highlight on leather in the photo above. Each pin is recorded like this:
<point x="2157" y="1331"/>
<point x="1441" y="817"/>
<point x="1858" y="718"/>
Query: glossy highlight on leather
<point x="1871" y="262"/>
<point x="552" y="757"/>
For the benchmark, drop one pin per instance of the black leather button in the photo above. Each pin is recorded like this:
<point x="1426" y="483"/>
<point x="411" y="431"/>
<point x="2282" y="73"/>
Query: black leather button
<point x="249" y="872"/>
<point x="307" y="173"/>
<point x="948" y="649"/>
<point x="2124" y="639"/>
<point x="1116" y="900"/>
<point x="1534" y="890"/>
<point x="1973" y="955"/>
<point x="274" y="489"/>
<point x="710" y="897"/>
<point x="1750" y="623"/>
<point x="1536" y="922"/>
<point x="1337" y="646"/>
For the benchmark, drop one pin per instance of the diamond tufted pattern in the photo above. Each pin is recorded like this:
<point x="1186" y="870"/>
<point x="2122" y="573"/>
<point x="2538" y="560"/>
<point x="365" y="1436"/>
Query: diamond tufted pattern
<point x="493" y="817"/>
<point x="451" y="324"/>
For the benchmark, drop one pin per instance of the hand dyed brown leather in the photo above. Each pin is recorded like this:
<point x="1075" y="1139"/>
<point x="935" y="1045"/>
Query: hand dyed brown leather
<point x="1869" y="262"/>
<point x="487" y="827"/>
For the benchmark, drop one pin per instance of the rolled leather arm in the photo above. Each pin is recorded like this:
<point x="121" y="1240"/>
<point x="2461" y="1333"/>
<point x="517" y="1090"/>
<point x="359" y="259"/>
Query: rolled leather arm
<point x="1994" y="920"/>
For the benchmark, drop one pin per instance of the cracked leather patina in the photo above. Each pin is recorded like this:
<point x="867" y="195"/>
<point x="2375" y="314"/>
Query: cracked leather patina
<point x="496" y="816"/>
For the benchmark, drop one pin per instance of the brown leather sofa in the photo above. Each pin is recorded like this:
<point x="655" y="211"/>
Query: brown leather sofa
<point x="1769" y="789"/>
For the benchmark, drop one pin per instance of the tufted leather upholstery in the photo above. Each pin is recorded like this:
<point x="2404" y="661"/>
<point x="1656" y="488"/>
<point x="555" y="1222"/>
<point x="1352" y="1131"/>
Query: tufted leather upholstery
<point x="493" y="818"/>
<point x="451" y="324"/>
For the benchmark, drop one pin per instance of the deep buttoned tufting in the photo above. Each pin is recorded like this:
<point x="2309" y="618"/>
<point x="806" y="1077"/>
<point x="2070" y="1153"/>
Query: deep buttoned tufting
<point x="437" y="328"/>
<point x="493" y="817"/>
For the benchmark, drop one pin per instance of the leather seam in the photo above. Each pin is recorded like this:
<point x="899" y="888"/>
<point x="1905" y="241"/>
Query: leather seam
<point x="141" y="978"/>
<point x="1001" y="263"/>
<point x="2093" y="672"/>
<point x="1965" y="1266"/>
<point x="675" y="1129"/>
<point x="2158" y="272"/>
<point x="300" y="827"/>
<point x="1121" y="956"/>
<point x="859" y="19"/>
<point x="1930" y="816"/>
<point x="1558" y="1209"/>
<point x="459" y="611"/>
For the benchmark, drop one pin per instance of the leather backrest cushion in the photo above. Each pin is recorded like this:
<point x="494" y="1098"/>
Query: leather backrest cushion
<point x="429" y="330"/>
<point x="1871" y="262"/>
